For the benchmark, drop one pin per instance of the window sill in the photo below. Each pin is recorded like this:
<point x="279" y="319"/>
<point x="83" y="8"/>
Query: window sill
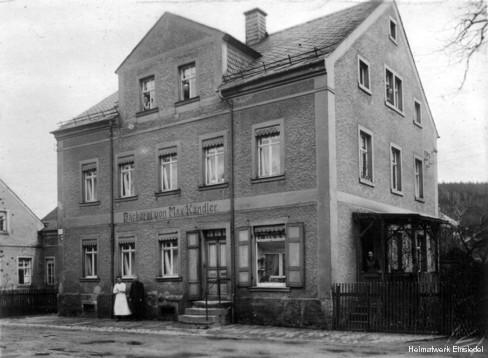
<point x="269" y="289"/>
<point x="366" y="182"/>
<point x="213" y="186"/>
<point x="420" y="200"/>
<point x="90" y="203"/>
<point x="392" y="107"/>
<point x="169" y="279"/>
<point x="146" y="112"/>
<point x="364" y="89"/>
<point x="127" y="198"/>
<point x="167" y="192"/>
<point x="90" y="279"/>
<point x="396" y="192"/>
<point x="187" y="101"/>
<point x="3" y="233"/>
<point x="418" y="124"/>
<point x="268" y="179"/>
<point x="394" y="40"/>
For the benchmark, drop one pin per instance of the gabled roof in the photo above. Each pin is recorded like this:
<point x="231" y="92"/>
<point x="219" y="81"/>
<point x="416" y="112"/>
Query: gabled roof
<point x="103" y="110"/>
<point x="303" y="43"/>
<point x="20" y="201"/>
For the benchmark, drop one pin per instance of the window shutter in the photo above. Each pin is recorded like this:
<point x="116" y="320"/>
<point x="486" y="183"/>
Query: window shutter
<point x="294" y="255"/>
<point x="194" y="279"/>
<point x="244" y="257"/>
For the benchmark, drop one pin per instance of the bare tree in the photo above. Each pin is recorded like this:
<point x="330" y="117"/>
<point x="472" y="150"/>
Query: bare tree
<point x="470" y="33"/>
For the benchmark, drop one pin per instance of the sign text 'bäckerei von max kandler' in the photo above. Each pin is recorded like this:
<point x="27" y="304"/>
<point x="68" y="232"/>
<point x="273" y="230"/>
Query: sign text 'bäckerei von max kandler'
<point x="169" y="212"/>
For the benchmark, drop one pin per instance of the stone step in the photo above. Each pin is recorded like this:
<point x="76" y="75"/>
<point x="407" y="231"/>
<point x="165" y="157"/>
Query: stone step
<point x="212" y="303"/>
<point x="197" y="319"/>
<point x="202" y="312"/>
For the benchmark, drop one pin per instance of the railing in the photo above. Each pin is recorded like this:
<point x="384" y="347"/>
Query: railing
<point x="404" y="306"/>
<point x="387" y="306"/>
<point x="27" y="301"/>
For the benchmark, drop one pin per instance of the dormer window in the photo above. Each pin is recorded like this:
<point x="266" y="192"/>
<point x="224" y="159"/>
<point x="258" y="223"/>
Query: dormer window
<point x="188" y="85"/>
<point x="393" y="30"/>
<point x="147" y="94"/>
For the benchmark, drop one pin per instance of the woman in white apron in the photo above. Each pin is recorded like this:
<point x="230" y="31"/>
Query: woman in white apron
<point x="121" y="307"/>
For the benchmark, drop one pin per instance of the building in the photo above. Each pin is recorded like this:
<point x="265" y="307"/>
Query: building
<point x="259" y="172"/>
<point x="25" y="260"/>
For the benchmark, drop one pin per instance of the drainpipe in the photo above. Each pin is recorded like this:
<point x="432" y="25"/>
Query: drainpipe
<point x="112" y="225"/>
<point x="232" y="201"/>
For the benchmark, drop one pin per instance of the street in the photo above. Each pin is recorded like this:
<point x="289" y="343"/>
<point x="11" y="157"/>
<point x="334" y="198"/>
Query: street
<point x="53" y="342"/>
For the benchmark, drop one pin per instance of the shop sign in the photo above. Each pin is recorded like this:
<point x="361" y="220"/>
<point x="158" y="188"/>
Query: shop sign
<point x="176" y="211"/>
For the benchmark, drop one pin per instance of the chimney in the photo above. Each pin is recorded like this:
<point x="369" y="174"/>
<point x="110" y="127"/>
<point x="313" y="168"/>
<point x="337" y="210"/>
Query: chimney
<point x="255" y="26"/>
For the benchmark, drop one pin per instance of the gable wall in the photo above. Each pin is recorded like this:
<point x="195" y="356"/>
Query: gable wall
<point x="355" y="107"/>
<point x="21" y="240"/>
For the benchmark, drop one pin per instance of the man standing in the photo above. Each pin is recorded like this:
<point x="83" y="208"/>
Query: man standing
<point x="136" y="296"/>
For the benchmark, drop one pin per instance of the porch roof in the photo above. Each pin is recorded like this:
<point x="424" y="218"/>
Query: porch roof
<point x="397" y="217"/>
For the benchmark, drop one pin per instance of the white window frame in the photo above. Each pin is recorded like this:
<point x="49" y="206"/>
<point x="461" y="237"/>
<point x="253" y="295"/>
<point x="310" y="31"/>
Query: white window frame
<point x="191" y="80"/>
<point x="90" y="179"/>
<point x="396" y="98"/>
<point x="24" y="268"/>
<point x="399" y="169"/>
<point x="130" y="251"/>
<point x="151" y="92"/>
<point x="272" y="141"/>
<point x="127" y="170"/>
<point x="172" y="165"/>
<point x="90" y="250"/>
<point x="393" y="37"/>
<point x="171" y="246"/>
<point x="211" y="158"/>
<point x="361" y="85"/>
<point x="50" y="272"/>
<point x="256" y="174"/>
<point x="419" y="178"/>
<point x="5" y="224"/>
<point x="282" y="263"/>
<point x="362" y="179"/>
<point x="417" y="117"/>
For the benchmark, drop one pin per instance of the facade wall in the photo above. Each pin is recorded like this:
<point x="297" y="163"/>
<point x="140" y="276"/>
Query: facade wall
<point x="355" y="107"/>
<point x="19" y="240"/>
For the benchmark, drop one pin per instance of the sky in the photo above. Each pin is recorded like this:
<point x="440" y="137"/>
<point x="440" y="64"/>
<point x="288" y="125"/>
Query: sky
<point x="58" y="57"/>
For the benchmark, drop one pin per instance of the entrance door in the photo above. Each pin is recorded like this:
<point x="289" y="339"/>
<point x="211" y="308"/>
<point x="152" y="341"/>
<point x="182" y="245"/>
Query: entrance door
<point x="216" y="280"/>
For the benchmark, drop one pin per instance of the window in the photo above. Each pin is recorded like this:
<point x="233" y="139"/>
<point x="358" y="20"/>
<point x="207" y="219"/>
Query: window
<point x="213" y="152"/>
<point x="127" y="259"/>
<point x="169" y="255"/>
<point x="268" y="150"/>
<point x="25" y="270"/>
<point x="90" y="269"/>
<point x="126" y="169"/>
<point x="365" y="157"/>
<point x="396" y="169"/>
<point x="269" y="154"/>
<point x="363" y="75"/>
<point x="419" y="178"/>
<point x="50" y="273"/>
<point x="168" y="161"/>
<point x="394" y="92"/>
<point x="418" y="113"/>
<point x="188" y="87"/>
<point x="270" y="256"/>
<point x="89" y="174"/>
<point x="393" y="30"/>
<point x="147" y="94"/>
<point x="3" y="222"/>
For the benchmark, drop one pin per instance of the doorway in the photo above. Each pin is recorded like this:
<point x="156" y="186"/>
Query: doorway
<point x="216" y="281"/>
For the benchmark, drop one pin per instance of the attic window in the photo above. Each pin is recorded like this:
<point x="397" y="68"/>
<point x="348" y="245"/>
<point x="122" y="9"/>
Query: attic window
<point x="3" y="222"/>
<point x="363" y="75"/>
<point x="393" y="30"/>
<point x="188" y="86"/>
<point x="147" y="94"/>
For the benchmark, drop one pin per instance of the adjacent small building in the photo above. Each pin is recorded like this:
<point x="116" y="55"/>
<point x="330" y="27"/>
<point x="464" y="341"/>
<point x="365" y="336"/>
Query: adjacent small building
<point x="26" y="259"/>
<point x="257" y="172"/>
